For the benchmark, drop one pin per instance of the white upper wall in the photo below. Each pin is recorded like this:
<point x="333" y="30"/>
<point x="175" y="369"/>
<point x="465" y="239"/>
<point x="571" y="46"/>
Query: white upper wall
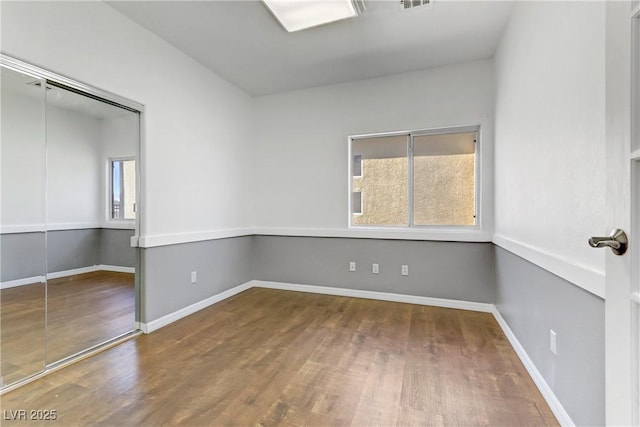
<point x="300" y="160"/>
<point x="74" y="187"/>
<point x="22" y="161"/>
<point x="550" y="174"/>
<point x="197" y="125"/>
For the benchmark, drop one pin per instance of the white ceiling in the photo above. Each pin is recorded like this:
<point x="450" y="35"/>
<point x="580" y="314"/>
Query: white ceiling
<point x="242" y="42"/>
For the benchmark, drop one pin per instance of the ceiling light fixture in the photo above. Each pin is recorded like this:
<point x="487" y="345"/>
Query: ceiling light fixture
<point x="296" y="15"/>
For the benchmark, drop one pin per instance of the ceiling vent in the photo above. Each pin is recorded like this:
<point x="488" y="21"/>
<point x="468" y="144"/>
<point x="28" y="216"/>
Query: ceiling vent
<point x="408" y="4"/>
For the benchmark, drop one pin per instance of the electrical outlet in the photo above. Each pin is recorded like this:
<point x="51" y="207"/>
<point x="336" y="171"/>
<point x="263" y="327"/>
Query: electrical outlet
<point x="375" y="269"/>
<point x="352" y="266"/>
<point x="194" y="276"/>
<point x="553" y="345"/>
<point x="404" y="270"/>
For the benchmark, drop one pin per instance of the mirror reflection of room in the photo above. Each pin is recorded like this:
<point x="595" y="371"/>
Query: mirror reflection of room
<point x="91" y="193"/>
<point x="68" y="215"/>
<point x="22" y="221"/>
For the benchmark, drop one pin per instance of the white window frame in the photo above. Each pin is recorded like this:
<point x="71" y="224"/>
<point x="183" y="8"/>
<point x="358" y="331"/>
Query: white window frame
<point x="458" y="230"/>
<point x="127" y="223"/>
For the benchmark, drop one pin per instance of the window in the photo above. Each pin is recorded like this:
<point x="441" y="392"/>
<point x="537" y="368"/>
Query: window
<point x="356" y="202"/>
<point x="123" y="189"/>
<point x="415" y="179"/>
<point x="357" y="166"/>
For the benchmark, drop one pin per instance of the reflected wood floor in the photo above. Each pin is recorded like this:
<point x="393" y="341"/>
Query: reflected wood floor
<point x="268" y="357"/>
<point x="22" y="331"/>
<point x="88" y="309"/>
<point x="83" y="310"/>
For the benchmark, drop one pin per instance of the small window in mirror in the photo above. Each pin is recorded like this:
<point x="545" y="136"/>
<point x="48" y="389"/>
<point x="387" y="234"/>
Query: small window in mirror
<point x="123" y="189"/>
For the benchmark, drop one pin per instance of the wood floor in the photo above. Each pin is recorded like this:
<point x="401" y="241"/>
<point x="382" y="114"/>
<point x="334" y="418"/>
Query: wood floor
<point x="82" y="311"/>
<point x="268" y="357"/>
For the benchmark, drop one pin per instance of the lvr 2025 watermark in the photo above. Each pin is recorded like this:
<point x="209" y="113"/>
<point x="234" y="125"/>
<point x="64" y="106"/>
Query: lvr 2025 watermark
<point x="29" y="414"/>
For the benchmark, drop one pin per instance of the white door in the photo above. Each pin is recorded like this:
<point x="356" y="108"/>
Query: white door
<point x="623" y="211"/>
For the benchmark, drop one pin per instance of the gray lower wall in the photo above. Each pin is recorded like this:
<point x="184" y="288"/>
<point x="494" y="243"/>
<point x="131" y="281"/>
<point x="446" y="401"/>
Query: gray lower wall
<point x="23" y="254"/>
<point x="115" y="247"/>
<point x="69" y="249"/>
<point x="533" y="301"/>
<point x="166" y="273"/>
<point x="452" y="270"/>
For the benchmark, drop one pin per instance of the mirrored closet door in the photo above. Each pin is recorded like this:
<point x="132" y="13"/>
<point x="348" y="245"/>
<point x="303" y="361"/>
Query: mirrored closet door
<point x="22" y="224"/>
<point x="69" y="212"/>
<point x="91" y="193"/>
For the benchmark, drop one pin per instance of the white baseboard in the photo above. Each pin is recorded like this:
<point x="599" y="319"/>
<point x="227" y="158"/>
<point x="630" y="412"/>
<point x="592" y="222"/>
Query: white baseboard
<point x="556" y="407"/>
<point x="115" y="268"/>
<point x="90" y="269"/>
<point x="72" y="272"/>
<point x="22" y="282"/>
<point x="183" y="312"/>
<point x="382" y="296"/>
<point x="66" y="273"/>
